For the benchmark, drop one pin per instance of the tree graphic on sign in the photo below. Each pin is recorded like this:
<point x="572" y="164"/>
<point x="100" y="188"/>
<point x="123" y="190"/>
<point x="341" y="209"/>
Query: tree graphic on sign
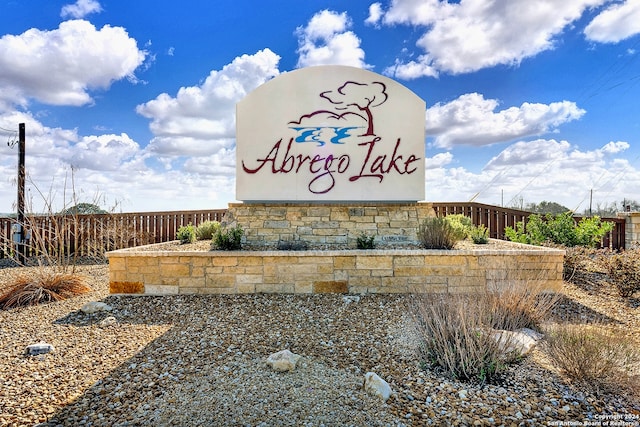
<point x="363" y="96"/>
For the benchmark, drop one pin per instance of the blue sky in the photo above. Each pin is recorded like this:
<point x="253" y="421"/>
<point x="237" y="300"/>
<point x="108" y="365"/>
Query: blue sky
<point x="527" y="100"/>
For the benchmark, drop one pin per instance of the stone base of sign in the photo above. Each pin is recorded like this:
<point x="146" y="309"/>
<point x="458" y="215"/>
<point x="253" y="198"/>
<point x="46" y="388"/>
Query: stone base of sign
<point x="336" y="225"/>
<point x="346" y="271"/>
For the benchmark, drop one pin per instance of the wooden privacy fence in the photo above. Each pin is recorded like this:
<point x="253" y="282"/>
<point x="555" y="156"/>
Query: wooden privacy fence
<point x="94" y="234"/>
<point x="90" y="235"/>
<point x="495" y="218"/>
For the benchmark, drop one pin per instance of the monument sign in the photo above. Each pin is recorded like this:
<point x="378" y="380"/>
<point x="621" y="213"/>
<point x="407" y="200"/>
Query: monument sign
<point x="330" y="133"/>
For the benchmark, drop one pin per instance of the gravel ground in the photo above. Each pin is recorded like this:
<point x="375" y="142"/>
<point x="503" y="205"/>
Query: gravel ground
<point x="200" y="360"/>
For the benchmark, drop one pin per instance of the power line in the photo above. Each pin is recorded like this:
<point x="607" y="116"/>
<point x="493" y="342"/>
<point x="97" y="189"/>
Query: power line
<point x="8" y="130"/>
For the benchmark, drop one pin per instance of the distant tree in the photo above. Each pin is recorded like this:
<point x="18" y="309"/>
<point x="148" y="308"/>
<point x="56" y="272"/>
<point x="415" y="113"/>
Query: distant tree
<point x="610" y="210"/>
<point x="545" y="207"/>
<point x="83" y="208"/>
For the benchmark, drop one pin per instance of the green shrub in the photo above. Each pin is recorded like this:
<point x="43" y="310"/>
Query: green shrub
<point x="364" y="241"/>
<point x="461" y="224"/>
<point x="206" y="230"/>
<point x="560" y="229"/>
<point x="228" y="240"/>
<point x="479" y="235"/>
<point x="438" y="233"/>
<point x="186" y="234"/>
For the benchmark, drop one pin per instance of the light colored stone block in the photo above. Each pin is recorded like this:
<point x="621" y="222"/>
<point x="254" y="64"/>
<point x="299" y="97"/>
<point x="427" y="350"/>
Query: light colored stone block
<point x="374" y="262"/>
<point x="161" y="290"/>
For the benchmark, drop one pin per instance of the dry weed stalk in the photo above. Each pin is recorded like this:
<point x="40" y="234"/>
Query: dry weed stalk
<point x="60" y="238"/>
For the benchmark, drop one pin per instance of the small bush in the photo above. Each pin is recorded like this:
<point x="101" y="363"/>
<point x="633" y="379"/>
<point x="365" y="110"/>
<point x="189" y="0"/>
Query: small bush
<point x="229" y="240"/>
<point x="624" y="271"/>
<point x="206" y="230"/>
<point x="292" y="245"/>
<point x="461" y="224"/>
<point x="186" y="234"/>
<point x="589" y="355"/>
<point x="559" y="229"/>
<point x="42" y="287"/>
<point x="364" y="241"/>
<point x="438" y="233"/>
<point x="479" y="235"/>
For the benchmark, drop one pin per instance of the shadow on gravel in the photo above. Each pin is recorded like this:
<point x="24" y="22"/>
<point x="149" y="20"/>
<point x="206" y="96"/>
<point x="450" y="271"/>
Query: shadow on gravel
<point x="571" y="311"/>
<point x="208" y="333"/>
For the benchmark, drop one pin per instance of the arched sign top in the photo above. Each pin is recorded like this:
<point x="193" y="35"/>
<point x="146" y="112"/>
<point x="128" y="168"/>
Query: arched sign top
<point x="330" y="133"/>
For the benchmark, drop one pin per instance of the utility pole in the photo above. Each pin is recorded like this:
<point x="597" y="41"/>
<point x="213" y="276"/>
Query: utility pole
<point x="21" y="247"/>
<point x="590" y="202"/>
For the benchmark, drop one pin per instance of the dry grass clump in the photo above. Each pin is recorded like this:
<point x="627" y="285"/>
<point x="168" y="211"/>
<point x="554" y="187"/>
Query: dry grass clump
<point x="42" y="287"/>
<point x="580" y="264"/>
<point x="624" y="271"/>
<point x="587" y="267"/>
<point x="594" y="357"/>
<point x="456" y="330"/>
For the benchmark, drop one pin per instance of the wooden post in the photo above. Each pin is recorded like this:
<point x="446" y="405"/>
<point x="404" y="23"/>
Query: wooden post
<point x="21" y="247"/>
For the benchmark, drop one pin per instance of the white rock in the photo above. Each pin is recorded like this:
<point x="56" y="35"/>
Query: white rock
<point x="522" y="341"/>
<point x="108" y="321"/>
<point x="283" y="361"/>
<point x="350" y="298"/>
<point x="95" y="306"/>
<point x="40" y="348"/>
<point x="376" y="386"/>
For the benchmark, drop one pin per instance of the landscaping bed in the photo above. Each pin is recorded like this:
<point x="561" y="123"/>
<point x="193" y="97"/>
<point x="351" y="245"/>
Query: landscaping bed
<point x="200" y="360"/>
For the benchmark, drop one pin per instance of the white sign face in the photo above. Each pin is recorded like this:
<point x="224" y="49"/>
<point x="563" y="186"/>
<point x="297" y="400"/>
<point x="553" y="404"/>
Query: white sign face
<point x="330" y="133"/>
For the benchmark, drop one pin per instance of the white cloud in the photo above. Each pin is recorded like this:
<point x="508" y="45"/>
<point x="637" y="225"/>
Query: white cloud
<point x="326" y="41"/>
<point x="200" y="120"/>
<point x="191" y="161"/>
<point x="475" y="34"/>
<point x="375" y="14"/>
<point x="103" y="152"/>
<point x="618" y="22"/>
<point x="111" y="168"/>
<point x="59" y="67"/>
<point x="615" y="147"/>
<point x="438" y="161"/>
<point x="540" y="170"/>
<point x="472" y="120"/>
<point x="80" y="9"/>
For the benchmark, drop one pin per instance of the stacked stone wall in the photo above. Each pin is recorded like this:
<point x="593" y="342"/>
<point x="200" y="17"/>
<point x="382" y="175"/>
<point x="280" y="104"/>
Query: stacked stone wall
<point x="350" y="271"/>
<point x="331" y="225"/>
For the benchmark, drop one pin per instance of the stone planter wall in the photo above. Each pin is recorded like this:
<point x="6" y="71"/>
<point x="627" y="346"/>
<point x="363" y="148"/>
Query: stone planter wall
<point x="352" y="271"/>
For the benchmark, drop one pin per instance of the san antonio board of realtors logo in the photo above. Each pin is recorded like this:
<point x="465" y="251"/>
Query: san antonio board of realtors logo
<point x="344" y="138"/>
